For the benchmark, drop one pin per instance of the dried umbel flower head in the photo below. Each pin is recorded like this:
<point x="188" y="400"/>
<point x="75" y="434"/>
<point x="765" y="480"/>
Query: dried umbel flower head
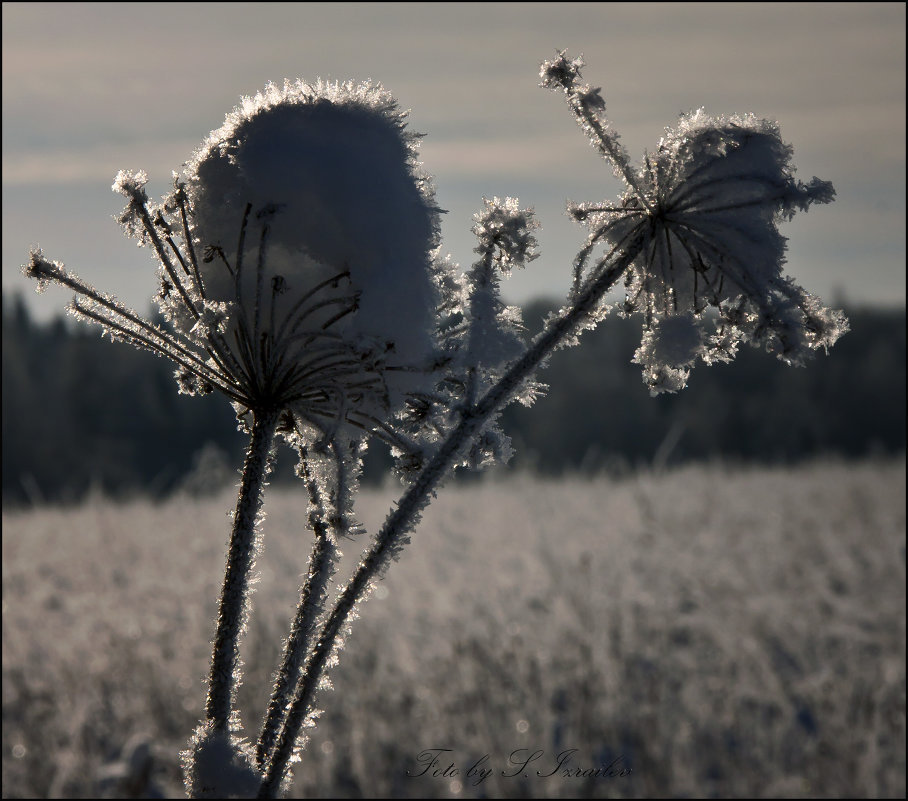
<point x="702" y="214"/>
<point x="295" y="257"/>
<point x="323" y="180"/>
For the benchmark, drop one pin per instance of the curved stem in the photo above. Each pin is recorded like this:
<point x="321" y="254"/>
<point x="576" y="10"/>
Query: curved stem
<point x="233" y="608"/>
<point x="403" y="518"/>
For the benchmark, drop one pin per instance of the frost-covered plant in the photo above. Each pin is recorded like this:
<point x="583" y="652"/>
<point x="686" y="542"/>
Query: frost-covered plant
<point x="296" y="275"/>
<point x="300" y="277"/>
<point x="700" y="217"/>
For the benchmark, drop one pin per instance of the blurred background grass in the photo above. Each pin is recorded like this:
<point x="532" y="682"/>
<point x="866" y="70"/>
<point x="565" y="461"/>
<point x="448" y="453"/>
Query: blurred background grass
<point x="708" y="588"/>
<point x="722" y="632"/>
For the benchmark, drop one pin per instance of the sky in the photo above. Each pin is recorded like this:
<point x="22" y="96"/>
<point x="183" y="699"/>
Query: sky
<point x="89" y="89"/>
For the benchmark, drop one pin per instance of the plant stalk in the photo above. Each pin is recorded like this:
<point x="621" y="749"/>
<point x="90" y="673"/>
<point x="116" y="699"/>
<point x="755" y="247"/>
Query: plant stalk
<point x="322" y="563"/>
<point x="234" y="608"/>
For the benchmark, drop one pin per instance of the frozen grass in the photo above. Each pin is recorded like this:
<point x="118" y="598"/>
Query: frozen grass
<point x="724" y="632"/>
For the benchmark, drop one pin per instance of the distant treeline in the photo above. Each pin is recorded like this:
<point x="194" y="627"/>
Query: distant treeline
<point x="81" y="413"/>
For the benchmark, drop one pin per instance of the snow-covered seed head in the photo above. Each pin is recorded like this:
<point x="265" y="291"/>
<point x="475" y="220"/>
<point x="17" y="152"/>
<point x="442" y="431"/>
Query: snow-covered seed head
<point x="717" y="188"/>
<point x="322" y="181"/>
<point x="296" y="253"/>
<point x="702" y="213"/>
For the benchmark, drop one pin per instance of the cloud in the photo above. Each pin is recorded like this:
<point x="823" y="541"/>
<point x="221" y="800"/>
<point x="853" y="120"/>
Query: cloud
<point x="89" y="165"/>
<point x="90" y="89"/>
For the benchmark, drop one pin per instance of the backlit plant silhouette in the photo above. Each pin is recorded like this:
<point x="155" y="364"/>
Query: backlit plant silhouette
<point x="300" y="276"/>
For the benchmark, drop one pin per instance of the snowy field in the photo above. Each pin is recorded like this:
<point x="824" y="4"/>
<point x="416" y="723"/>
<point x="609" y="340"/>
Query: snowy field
<point x="710" y="631"/>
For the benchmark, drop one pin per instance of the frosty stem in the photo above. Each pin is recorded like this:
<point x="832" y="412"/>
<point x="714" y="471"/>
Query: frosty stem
<point x="405" y="516"/>
<point x="233" y="608"/>
<point x="322" y="564"/>
<point x="607" y="144"/>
